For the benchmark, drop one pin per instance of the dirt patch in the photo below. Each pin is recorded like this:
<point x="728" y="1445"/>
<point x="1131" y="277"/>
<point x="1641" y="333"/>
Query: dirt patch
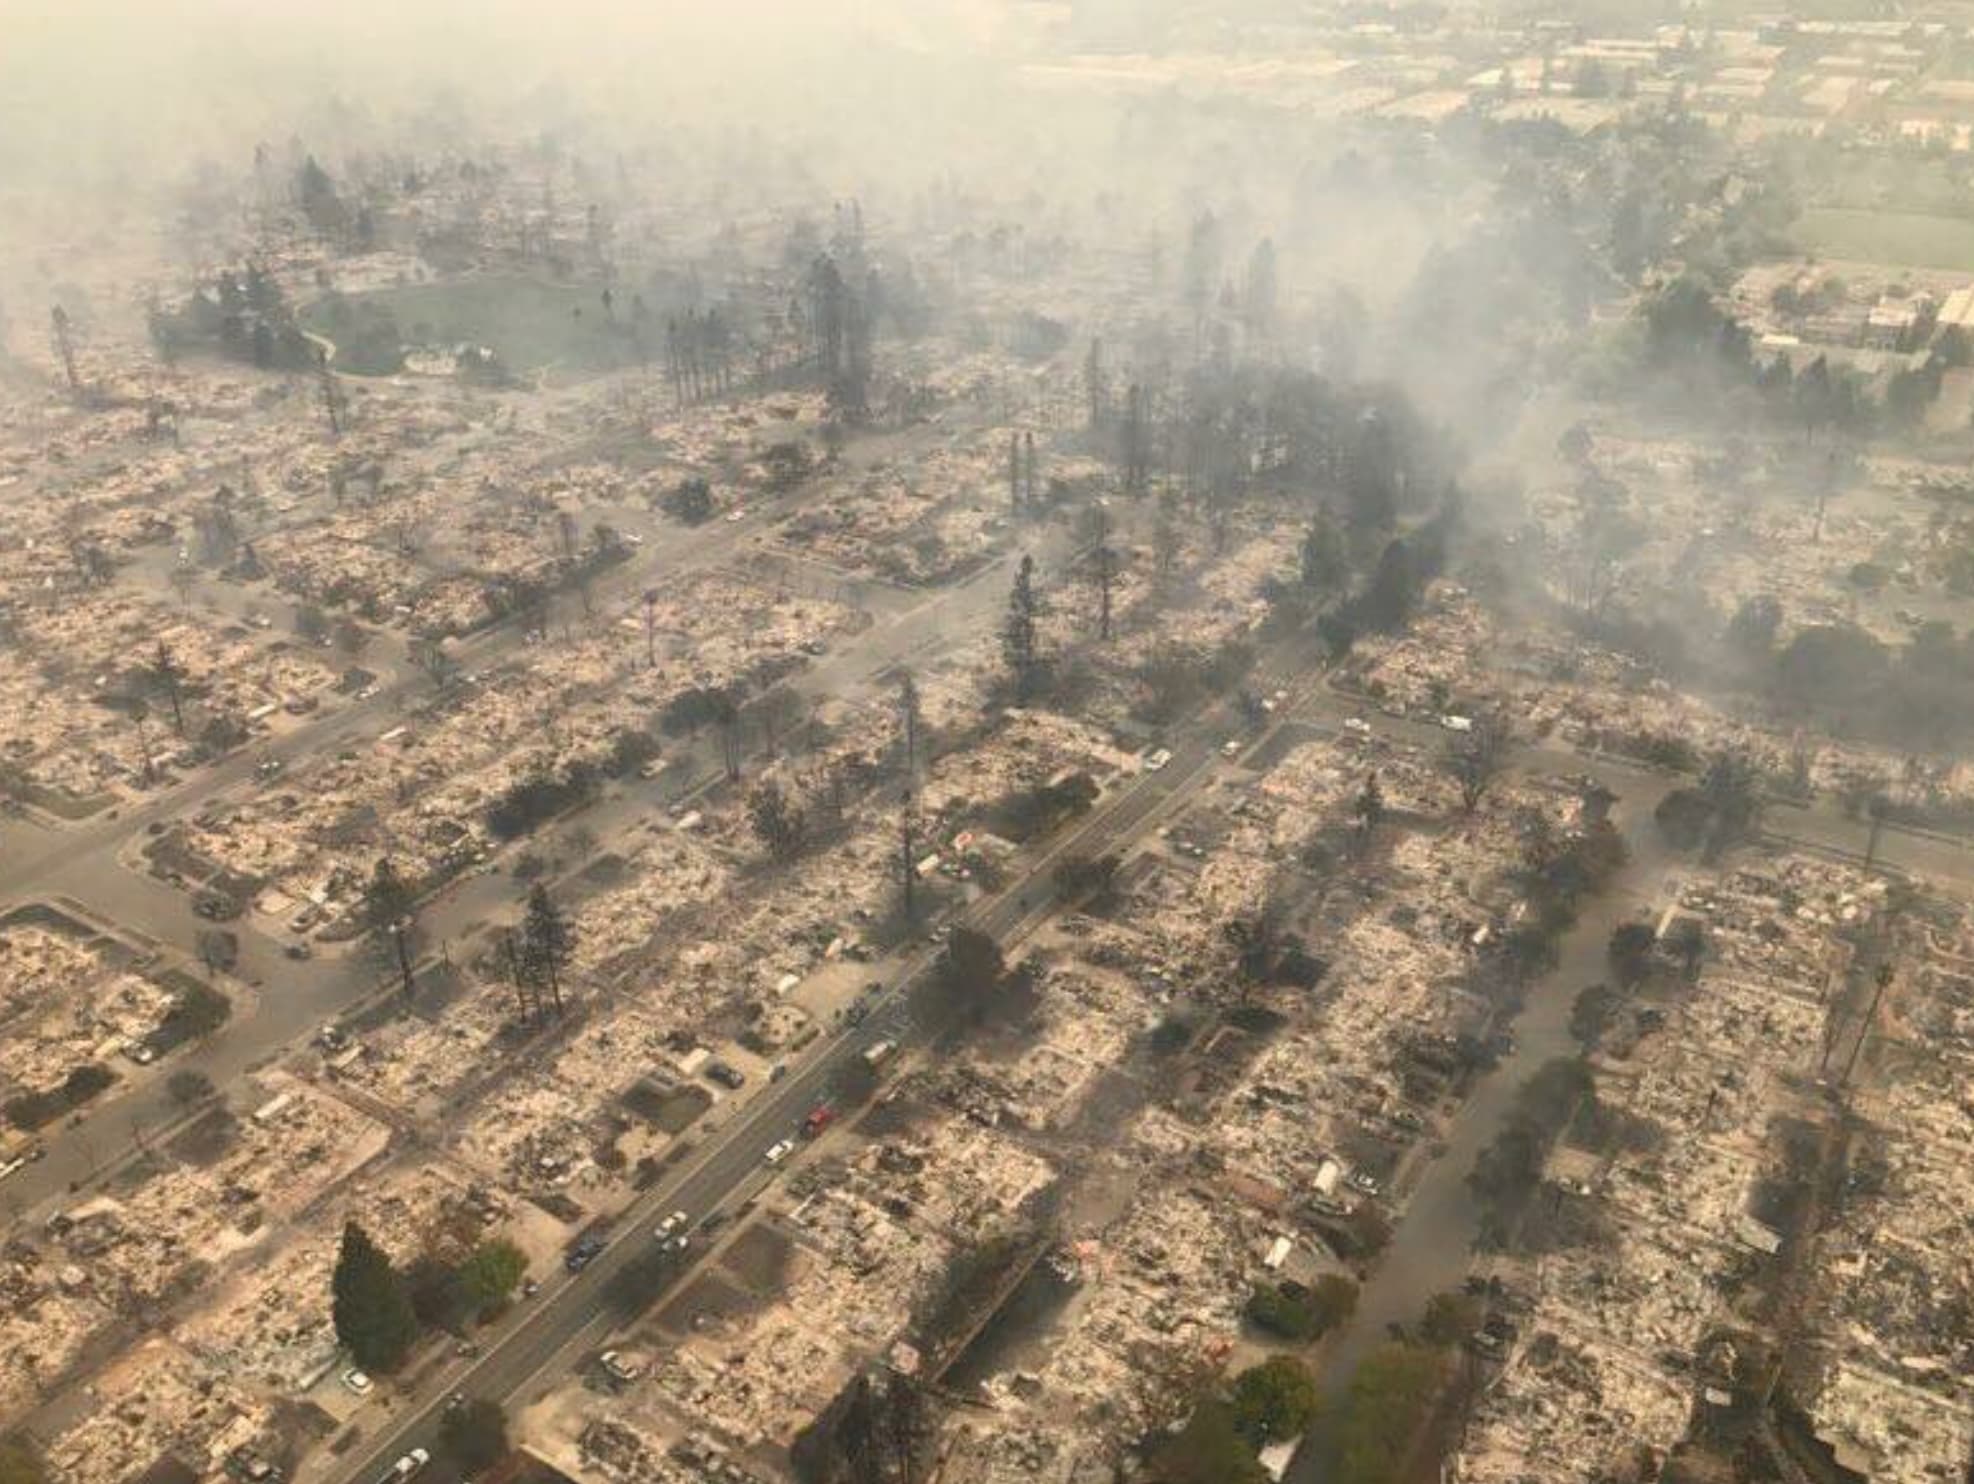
<point x="605" y="870"/>
<point x="708" y="1299"/>
<point x="893" y="1117"/>
<point x="669" y="1109"/>
<point x="1286" y="739"/>
<point x="1113" y="1097"/>
<point x="557" y="1205"/>
<point x="761" y="1257"/>
<point x="300" y="1425"/>
<point x="135" y="1175"/>
<point x="205" y="1139"/>
<point x="438" y="985"/>
<point x="48" y="919"/>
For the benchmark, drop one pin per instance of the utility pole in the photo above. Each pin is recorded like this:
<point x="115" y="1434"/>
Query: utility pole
<point x="908" y="843"/>
<point x="514" y="973"/>
<point x="1105" y="561"/>
<point x="908" y="707"/>
<point x="1864" y="1031"/>
<point x="332" y="395"/>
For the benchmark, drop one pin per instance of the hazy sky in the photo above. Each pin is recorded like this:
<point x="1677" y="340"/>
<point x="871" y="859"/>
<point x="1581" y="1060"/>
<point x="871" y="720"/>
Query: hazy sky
<point x="93" y="90"/>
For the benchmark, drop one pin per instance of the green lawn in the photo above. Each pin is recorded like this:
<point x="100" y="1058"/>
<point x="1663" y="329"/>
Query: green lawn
<point x="529" y="323"/>
<point x="1912" y="239"/>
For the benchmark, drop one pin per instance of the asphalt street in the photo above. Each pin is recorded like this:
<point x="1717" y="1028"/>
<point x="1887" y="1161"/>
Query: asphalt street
<point x="93" y="863"/>
<point x="90" y="864"/>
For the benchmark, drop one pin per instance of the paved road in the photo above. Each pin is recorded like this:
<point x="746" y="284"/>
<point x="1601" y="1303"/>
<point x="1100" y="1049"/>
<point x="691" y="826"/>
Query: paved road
<point x="81" y="862"/>
<point x="296" y="998"/>
<point x="570" y="1316"/>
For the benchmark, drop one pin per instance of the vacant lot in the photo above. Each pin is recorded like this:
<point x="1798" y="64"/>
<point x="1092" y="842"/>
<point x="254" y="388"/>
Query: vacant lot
<point x="1911" y="239"/>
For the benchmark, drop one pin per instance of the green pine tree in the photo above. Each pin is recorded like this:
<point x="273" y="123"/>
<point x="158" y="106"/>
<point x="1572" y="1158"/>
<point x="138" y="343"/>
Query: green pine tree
<point x="372" y="1305"/>
<point x="547" y="940"/>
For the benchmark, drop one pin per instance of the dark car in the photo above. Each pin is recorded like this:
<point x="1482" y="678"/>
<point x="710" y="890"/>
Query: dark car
<point x="726" y="1075"/>
<point x="583" y="1251"/>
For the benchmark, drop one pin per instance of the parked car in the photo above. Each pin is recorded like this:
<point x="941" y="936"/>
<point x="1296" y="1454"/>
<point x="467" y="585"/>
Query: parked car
<point x="583" y="1251"/>
<point x="726" y="1074"/>
<point x="408" y="1465"/>
<point x="1157" y="759"/>
<point x="620" y="1368"/>
<point x="358" y="1383"/>
<point x="779" y="1151"/>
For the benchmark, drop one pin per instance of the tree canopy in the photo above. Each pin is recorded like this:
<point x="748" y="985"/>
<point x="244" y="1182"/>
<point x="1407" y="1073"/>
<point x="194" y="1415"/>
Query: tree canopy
<point x="1274" y="1401"/>
<point x="1209" y="1450"/>
<point x="474" y="1436"/>
<point x="490" y="1273"/>
<point x="372" y="1305"/>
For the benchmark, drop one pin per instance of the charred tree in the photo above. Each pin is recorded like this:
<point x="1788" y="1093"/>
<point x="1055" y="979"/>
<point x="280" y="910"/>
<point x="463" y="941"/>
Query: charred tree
<point x="65" y="344"/>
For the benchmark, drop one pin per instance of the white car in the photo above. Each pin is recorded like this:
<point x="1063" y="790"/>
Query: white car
<point x="778" y="1152"/>
<point x="735" y="515"/>
<point x="620" y="1370"/>
<point x="357" y="1382"/>
<point x="670" y="1226"/>
<point x="1158" y="760"/>
<point x="1231" y="747"/>
<point x="408" y="1465"/>
<point x="1357" y="725"/>
<point x="1457" y="723"/>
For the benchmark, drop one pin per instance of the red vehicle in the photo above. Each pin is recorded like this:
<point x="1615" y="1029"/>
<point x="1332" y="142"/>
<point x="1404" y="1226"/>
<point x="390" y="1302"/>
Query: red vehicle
<point x="820" y="1117"/>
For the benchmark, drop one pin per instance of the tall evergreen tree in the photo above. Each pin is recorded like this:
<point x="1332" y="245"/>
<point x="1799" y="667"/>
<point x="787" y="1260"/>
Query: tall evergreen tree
<point x="1325" y="564"/>
<point x="777" y="820"/>
<point x="910" y="720"/>
<point x="1020" y="632"/>
<point x="547" y="940"/>
<point x="389" y="909"/>
<point x="371" y="1304"/>
<point x="164" y="669"/>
